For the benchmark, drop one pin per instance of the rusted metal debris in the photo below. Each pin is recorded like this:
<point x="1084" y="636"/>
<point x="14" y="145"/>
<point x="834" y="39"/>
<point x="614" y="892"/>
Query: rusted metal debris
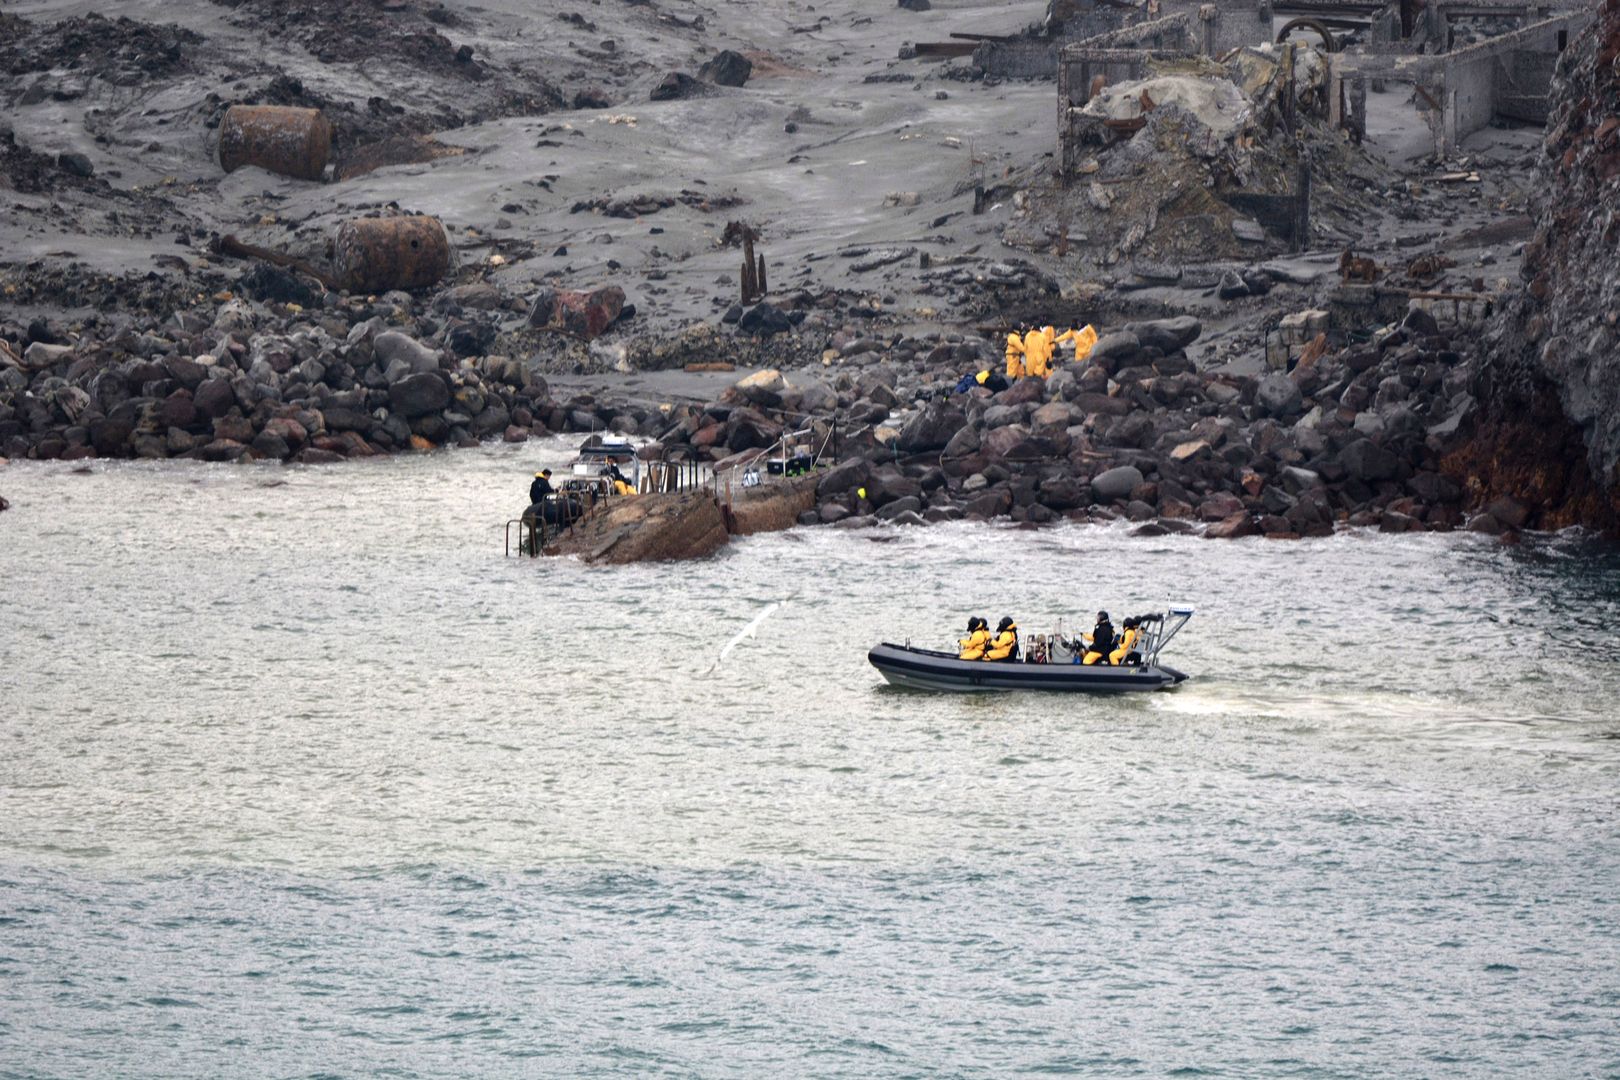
<point x="277" y="138"/>
<point x="1353" y="267"/>
<point x="230" y="245"/>
<point x="946" y="48"/>
<point x="1329" y="43"/>
<point x="753" y="267"/>
<point x="378" y="254"/>
<point x="1427" y="266"/>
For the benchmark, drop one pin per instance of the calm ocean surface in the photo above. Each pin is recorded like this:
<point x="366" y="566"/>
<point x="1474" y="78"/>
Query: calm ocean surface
<point x="299" y="777"/>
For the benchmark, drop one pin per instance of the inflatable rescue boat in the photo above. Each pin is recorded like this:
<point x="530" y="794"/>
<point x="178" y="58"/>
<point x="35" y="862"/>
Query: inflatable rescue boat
<point x="1048" y="662"/>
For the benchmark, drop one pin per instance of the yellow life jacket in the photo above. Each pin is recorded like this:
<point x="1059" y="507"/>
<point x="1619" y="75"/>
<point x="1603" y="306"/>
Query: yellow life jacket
<point x="973" y="645"/>
<point x="1005" y="643"/>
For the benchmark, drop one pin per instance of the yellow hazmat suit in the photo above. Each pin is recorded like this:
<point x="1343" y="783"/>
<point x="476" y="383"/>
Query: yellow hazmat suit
<point x="1127" y="642"/>
<point x="1083" y="338"/>
<point x="1015" y="356"/>
<point x="973" y="645"/>
<point x="1006" y="641"/>
<point x="1038" y="352"/>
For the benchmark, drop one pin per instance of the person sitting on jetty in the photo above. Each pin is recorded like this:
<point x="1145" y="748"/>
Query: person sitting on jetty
<point x="541" y="486"/>
<point x="973" y="646"/>
<point x="1083" y="338"/>
<point x="1100" y="642"/>
<point x="1005" y="646"/>
<point x="1128" y="637"/>
<point x="1015" y="356"/>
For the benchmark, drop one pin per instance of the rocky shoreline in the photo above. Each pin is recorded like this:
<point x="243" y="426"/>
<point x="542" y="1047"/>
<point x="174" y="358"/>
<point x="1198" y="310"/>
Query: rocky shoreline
<point x="1357" y="436"/>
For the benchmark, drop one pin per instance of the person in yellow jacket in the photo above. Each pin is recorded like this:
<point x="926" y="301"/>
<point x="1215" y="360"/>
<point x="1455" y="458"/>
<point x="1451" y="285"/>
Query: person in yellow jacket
<point x="973" y="646"/>
<point x="1015" y="356"/>
<point x="1127" y="641"/>
<point x="1005" y="646"/>
<point x="1038" y="345"/>
<point x="1083" y="338"/>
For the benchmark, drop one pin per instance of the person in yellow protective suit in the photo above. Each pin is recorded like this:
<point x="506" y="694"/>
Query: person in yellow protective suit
<point x="973" y="646"/>
<point x="1015" y="356"/>
<point x="1083" y="338"/>
<point x="1038" y="345"/>
<point x="1127" y="641"/>
<point x="1005" y="646"/>
<point x="621" y="484"/>
<point x="1100" y="642"/>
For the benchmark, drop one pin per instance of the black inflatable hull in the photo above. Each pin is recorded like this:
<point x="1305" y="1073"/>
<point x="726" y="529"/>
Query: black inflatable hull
<point x="928" y="669"/>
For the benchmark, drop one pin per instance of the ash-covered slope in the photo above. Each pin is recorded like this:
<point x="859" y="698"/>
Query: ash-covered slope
<point x="1549" y="434"/>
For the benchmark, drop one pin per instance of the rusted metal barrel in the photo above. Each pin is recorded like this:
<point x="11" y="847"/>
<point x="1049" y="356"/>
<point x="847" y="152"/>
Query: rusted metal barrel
<point x="278" y="138"/>
<point x="374" y="255"/>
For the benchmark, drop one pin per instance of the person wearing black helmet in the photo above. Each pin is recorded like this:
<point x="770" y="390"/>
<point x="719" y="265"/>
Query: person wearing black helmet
<point x="1100" y="642"/>
<point x="973" y="646"/>
<point x="1005" y="645"/>
<point x="1130" y="632"/>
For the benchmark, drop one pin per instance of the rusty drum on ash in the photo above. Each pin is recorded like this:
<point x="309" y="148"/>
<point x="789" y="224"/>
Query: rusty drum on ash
<point x="278" y="138"/>
<point x="374" y="255"/>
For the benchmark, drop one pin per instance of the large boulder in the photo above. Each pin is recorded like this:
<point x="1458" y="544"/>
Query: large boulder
<point x="109" y="436"/>
<point x="1278" y="396"/>
<point x="1238" y="525"/>
<point x="1115" y="483"/>
<point x="1367" y="461"/>
<point x="586" y="314"/>
<point x="1167" y="335"/>
<point x="419" y="394"/>
<point x="1056" y="414"/>
<point x="930" y="429"/>
<point x="1064" y="493"/>
<point x="1023" y="392"/>
<point x="1220" y="505"/>
<point x="764" y="320"/>
<point x="188" y="373"/>
<point x="963" y="443"/>
<point x="845" y="476"/>
<point x="214" y="398"/>
<point x="676" y="86"/>
<point x="727" y="68"/>
<point x="412" y="356"/>
<point x="490" y="421"/>
<point x="999" y="443"/>
<point x="1114" y="349"/>
<point x="763" y="387"/>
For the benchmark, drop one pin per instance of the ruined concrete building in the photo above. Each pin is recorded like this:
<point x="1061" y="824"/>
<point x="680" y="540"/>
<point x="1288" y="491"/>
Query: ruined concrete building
<point x="1499" y="65"/>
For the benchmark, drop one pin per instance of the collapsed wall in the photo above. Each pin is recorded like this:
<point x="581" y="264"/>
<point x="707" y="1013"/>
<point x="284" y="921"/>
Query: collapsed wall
<point x="1548" y="432"/>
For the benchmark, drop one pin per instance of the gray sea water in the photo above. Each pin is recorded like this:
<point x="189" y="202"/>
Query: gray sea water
<point x="300" y="777"/>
